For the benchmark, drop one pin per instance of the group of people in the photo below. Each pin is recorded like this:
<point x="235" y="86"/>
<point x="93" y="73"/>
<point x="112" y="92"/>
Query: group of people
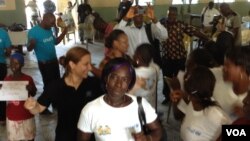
<point x="211" y="95"/>
<point x="34" y="12"/>
<point x="105" y="105"/>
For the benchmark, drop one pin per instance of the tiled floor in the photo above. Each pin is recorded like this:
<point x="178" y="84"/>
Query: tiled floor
<point x="46" y="124"/>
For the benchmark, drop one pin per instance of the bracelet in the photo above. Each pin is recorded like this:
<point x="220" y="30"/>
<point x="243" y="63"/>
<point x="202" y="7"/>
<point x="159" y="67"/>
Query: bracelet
<point x="149" y="138"/>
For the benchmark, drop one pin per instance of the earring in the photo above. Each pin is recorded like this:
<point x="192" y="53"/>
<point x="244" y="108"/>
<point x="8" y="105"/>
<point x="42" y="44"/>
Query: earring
<point x="188" y="98"/>
<point x="137" y="61"/>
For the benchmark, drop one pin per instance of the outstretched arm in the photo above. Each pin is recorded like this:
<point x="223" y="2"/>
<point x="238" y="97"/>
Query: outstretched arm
<point x="176" y="96"/>
<point x="74" y="4"/>
<point x="33" y="106"/>
<point x="61" y="36"/>
<point x="31" y="44"/>
<point x="83" y="136"/>
<point x="201" y="35"/>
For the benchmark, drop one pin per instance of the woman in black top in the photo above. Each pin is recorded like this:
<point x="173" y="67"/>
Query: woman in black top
<point x="70" y="93"/>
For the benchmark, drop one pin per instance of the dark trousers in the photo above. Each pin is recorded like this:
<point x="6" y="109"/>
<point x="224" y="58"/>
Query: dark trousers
<point x="49" y="71"/>
<point x="3" y="73"/>
<point x="170" y="69"/>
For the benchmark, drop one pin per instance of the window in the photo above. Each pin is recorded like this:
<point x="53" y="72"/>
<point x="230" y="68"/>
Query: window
<point x="185" y="1"/>
<point x="144" y="2"/>
<point x="220" y="1"/>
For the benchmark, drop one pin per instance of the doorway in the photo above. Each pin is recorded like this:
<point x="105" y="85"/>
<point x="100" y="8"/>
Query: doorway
<point x="40" y="10"/>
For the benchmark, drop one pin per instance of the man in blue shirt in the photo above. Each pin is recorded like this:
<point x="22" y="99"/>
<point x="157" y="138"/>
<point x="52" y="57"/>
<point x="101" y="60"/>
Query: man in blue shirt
<point x="50" y="7"/>
<point x="43" y="42"/>
<point x="5" y="49"/>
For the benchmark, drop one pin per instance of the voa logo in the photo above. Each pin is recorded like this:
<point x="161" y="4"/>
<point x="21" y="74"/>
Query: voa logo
<point x="236" y="132"/>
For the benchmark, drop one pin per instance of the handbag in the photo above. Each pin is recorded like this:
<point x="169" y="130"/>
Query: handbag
<point x="142" y="116"/>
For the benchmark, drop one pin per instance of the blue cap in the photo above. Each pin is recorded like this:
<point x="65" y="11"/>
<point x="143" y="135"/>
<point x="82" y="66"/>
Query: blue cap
<point x="18" y="57"/>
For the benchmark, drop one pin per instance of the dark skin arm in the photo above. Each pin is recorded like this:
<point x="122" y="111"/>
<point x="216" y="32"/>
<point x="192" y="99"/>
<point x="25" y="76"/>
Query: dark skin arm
<point x="201" y="35"/>
<point x="98" y="71"/>
<point x="176" y="96"/>
<point x="8" y="51"/>
<point x="31" y="44"/>
<point x="61" y="36"/>
<point x="74" y="4"/>
<point x="83" y="136"/>
<point x="178" y="115"/>
<point x="31" y="89"/>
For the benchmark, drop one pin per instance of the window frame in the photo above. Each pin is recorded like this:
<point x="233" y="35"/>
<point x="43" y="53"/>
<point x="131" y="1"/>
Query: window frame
<point x="226" y="1"/>
<point x="185" y="2"/>
<point x="143" y="2"/>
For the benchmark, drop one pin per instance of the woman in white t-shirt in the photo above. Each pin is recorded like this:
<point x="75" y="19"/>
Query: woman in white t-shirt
<point x="202" y="118"/>
<point x="236" y="72"/>
<point x="147" y="73"/>
<point x="114" y="116"/>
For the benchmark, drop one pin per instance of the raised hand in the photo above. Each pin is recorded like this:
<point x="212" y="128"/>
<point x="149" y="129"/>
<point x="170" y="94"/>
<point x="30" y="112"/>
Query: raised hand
<point x="150" y="11"/>
<point x="176" y="95"/>
<point x="131" y="13"/>
<point x="175" y="83"/>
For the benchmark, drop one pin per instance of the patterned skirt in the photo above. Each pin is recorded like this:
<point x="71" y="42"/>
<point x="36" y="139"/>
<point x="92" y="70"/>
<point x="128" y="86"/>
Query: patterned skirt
<point x="21" y="130"/>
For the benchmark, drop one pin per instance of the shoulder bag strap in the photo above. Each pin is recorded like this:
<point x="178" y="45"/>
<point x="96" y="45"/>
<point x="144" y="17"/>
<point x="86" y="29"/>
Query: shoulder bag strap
<point x="149" y="33"/>
<point x="141" y="114"/>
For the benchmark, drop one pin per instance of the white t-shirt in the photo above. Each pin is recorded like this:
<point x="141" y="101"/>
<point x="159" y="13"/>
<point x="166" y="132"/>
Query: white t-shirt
<point x="202" y="125"/>
<point x="224" y="94"/>
<point x="209" y="15"/>
<point x="113" y="124"/>
<point x="151" y="75"/>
